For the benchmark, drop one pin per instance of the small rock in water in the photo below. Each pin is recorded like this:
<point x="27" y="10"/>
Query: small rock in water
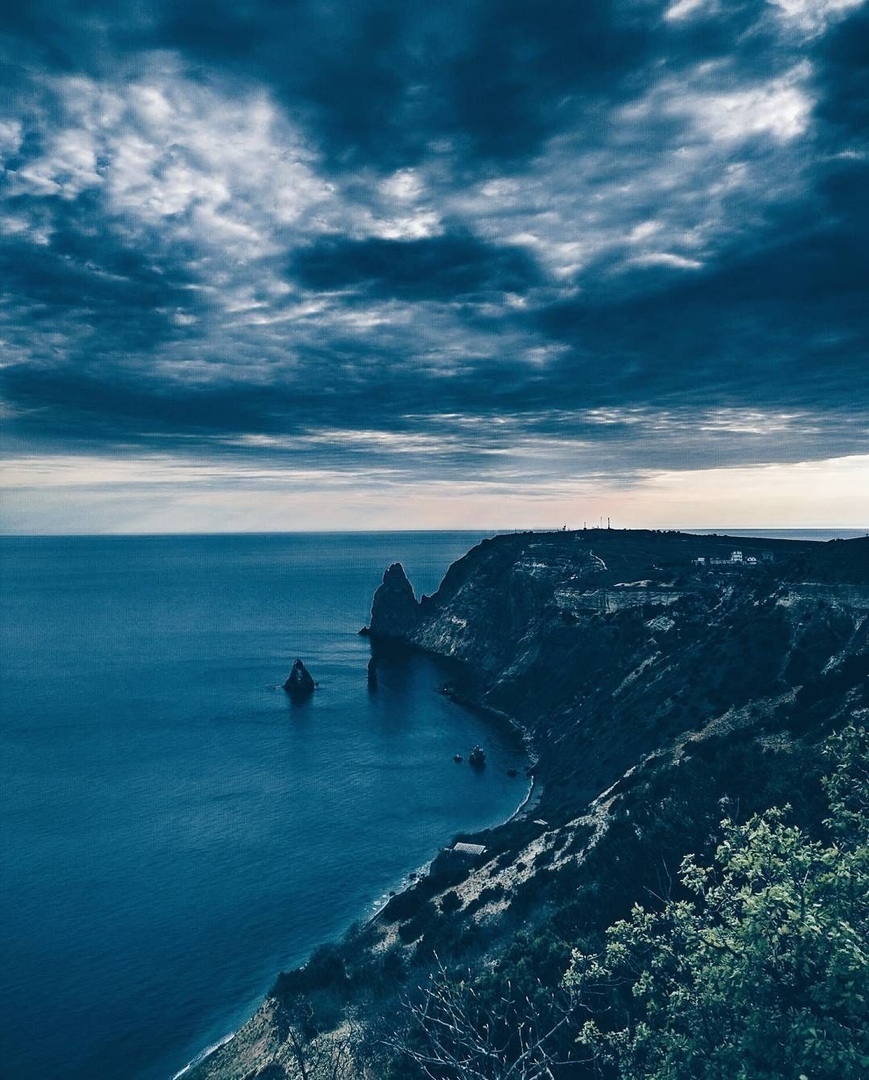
<point x="372" y="673"/>
<point x="477" y="756"/>
<point x="299" y="684"/>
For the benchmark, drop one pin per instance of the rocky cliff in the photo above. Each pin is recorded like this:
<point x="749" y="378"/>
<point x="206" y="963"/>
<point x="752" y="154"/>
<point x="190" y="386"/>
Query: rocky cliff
<point x="604" y="644"/>
<point x="664" y="681"/>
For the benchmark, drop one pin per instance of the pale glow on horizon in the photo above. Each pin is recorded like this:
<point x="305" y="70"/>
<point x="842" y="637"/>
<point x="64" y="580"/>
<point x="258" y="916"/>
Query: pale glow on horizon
<point x="163" y="494"/>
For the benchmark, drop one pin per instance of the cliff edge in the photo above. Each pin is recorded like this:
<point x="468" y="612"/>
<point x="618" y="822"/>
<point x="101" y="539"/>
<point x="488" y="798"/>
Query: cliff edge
<point x="607" y="643"/>
<point x="667" y="680"/>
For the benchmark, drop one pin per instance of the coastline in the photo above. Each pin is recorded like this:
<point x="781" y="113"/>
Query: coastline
<point x="204" y="1055"/>
<point x="503" y="720"/>
<point x="530" y="801"/>
<point x="486" y="890"/>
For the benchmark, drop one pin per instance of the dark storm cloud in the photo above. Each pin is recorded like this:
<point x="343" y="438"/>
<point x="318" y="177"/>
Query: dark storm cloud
<point x="382" y="79"/>
<point x="442" y="267"/>
<point x="376" y="80"/>
<point x="228" y="220"/>
<point x="845" y="76"/>
<point x="103" y="296"/>
<point x="92" y="406"/>
<point x="787" y="322"/>
<point x="522" y="59"/>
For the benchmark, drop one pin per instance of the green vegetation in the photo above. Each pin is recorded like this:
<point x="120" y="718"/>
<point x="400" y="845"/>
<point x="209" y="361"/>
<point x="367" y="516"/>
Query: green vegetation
<point x="752" y="963"/>
<point x="764" y="971"/>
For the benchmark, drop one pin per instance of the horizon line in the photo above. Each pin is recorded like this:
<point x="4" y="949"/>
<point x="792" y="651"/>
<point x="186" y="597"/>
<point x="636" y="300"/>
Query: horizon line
<point x="715" y="530"/>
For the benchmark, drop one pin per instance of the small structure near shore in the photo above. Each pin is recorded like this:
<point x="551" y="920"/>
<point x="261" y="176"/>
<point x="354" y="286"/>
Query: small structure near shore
<point x="472" y="850"/>
<point x="300" y="684"/>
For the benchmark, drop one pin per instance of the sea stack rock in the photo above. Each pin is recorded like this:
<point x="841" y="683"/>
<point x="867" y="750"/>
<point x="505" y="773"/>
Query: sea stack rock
<point x="299" y="684"/>
<point x="372" y="674"/>
<point x="477" y="757"/>
<point x="394" y="611"/>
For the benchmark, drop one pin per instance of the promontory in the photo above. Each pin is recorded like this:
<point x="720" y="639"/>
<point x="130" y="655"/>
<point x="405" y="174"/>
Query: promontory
<point x="681" y="695"/>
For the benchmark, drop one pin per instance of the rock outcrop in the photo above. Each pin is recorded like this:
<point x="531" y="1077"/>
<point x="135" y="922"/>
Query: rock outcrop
<point x="608" y="643"/>
<point x="300" y="684"/>
<point x="395" y="611"/>
<point x="664" y="683"/>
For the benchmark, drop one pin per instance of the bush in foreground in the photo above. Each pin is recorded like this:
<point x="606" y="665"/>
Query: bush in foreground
<point x="764" y="972"/>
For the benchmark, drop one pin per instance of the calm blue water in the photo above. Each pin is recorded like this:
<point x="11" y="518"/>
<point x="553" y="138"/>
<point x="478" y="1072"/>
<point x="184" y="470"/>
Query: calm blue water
<point x="820" y="535"/>
<point x="175" y="831"/>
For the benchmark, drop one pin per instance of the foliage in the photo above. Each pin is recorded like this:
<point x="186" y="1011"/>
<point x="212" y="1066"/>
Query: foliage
<point x="764" y="971"/>
<point x="324" y="971"/>
<point x="460" y="1032"/>
<point x="450" y="902"/>
<point x="338" y="1055"/>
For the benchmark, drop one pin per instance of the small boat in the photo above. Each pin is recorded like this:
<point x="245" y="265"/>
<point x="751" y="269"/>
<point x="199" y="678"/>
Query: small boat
<point x="477" y="756"/>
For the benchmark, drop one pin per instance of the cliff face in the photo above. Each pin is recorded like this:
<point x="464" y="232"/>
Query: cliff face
<point x="664" y="681"/>
<point x="606" y="644"/>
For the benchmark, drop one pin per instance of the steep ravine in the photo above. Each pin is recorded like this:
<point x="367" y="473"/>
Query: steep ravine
<point x="663" y="681"/>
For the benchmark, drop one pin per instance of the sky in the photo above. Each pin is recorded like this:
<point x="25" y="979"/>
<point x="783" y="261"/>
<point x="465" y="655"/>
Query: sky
<point x="376" y="264"/>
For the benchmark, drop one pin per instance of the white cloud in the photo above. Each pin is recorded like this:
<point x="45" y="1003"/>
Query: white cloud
<point x="404" y="185"/>
<point x="11" y="134"/>
<point x="808" y="16"/>
<point x="233" y="164"/>
<point x="68" y="163"/>
<point x="813" y="16"/>
<point x="67" y="169"/>
<point x="643" y="231"/>
<point x="222" y="168"/>
<point x="690" y="165"/>
<point x="780" y="108"/>
<point x="421" y="224"/>
<point x="667" y="258"/>
<point x="397" y="207"/>
<point x="683" y="9"/>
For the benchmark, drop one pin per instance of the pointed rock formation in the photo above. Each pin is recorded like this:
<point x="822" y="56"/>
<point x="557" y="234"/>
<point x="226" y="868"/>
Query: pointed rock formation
<point x="477" y="756"/>
<point x="395" y="611"/>
<point x="299" y="684"/>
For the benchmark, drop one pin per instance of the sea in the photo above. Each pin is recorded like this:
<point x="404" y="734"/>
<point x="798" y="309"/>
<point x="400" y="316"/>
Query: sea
<point x="175" y="830"/>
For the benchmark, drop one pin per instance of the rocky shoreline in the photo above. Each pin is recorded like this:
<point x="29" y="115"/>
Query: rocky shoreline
<point x="660" y="678"/>
<point x="245" y="1043"/>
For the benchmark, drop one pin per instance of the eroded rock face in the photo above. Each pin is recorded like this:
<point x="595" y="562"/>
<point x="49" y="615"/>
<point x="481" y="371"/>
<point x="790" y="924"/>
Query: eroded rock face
<point x="394" y="611"/>
<point x="299" y="684"/>
<point x="658" y="690"/>
<point x="607" y="644"/>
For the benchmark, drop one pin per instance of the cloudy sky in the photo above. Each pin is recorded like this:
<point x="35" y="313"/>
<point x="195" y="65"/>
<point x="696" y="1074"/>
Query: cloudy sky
<point x="300" y="264"/>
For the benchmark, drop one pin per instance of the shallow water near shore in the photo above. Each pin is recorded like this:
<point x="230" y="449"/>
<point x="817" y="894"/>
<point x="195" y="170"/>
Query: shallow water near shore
<point x="175" y="829"/>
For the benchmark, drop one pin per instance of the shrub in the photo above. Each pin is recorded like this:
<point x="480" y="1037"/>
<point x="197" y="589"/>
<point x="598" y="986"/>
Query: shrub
<point x="764" y="971"/>
<point x="450" y="902"/>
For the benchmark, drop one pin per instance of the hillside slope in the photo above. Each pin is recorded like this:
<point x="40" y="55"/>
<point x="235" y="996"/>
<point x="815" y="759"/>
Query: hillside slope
<point x="605" y="644"/>
<point x="663" y="680"/>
